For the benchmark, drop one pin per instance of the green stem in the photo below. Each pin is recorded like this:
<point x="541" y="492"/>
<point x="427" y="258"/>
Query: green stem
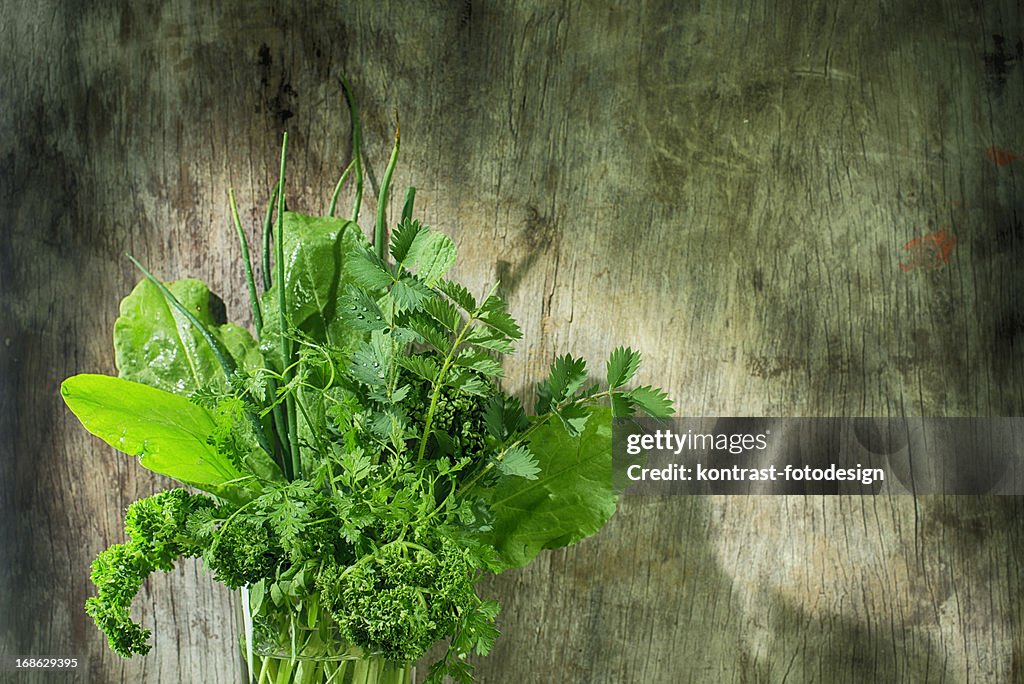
<point x="291" y="438"/>
<point x="267" y="233"/>
<point x="438" y="383"/>
<point x="337" y="188"/>
<point x="254" y="300"/>
<point x="382" y="200"/>
<point x="356" y="152"/>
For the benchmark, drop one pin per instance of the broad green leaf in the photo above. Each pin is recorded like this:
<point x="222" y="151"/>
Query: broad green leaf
<point x="316" y="253"/>
<point x="571" y="499"/>
<point x="154" y="344"/>
<point x="166" y="431"/>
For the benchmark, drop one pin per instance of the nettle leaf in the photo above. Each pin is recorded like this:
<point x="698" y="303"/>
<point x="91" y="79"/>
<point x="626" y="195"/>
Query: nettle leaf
<point x="544" y="399"/>
<point x="622" y="405"/>
<point x="567" y="375"/>
<point x="359" y="311"/>
<point x="421" y="365"/>
<point x="166" y="431"/>
<point x="467" y="381"/>
<point x="430" y="332"/>
<point x="367" y="270"/>
<point x="154" y="344"/>
<point x="570" y="500"/>
<point x="444" y="312"/>
<point x="574" y="418"/>
<point x="519" y="462"/>
<point x="652" y="401"/>
<point x="430" y="255"/>
<point x="504" y="417"/>
<point x="481" y="361"/>
<point x="489" y="338"/>
<point x="457" y="293"/>
<point x="402" y="238"/>
<point x="409" y="293"/>
<point x="493" y="313"/>
<point x="622" y="366"/>
<point x="369" y="364"/>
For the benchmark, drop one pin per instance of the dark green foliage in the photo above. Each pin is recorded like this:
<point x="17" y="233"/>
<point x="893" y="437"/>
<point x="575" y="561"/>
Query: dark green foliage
<point x="158" y="528"/>
<point x="243" y="552"/>
<point x="368" y="467"/>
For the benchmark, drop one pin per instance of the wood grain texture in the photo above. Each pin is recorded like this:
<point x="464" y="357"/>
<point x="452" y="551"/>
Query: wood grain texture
<point x="731" y="187"/>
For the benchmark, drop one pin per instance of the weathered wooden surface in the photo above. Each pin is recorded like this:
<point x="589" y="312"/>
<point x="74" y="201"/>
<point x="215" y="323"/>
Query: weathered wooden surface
<point x="729" y="186"/>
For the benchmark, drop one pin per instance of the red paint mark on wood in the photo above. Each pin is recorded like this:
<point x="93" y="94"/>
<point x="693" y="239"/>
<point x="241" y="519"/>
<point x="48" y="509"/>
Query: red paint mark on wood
<point x="930" y="251"/>
<point x="1001" y="156"/>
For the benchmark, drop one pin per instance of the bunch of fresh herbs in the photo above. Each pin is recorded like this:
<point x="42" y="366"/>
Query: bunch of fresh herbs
<point x="361" y="466"/>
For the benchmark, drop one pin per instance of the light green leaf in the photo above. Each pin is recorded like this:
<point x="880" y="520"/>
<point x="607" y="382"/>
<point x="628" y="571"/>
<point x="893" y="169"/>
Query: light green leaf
<point x="154" y="344"/>
<point x="431" y="254"/>
<point x="570" y="500"/>
<point x="519" y="462"/>
<point x="166" y="431"/>
<point x="574" y="418"/>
